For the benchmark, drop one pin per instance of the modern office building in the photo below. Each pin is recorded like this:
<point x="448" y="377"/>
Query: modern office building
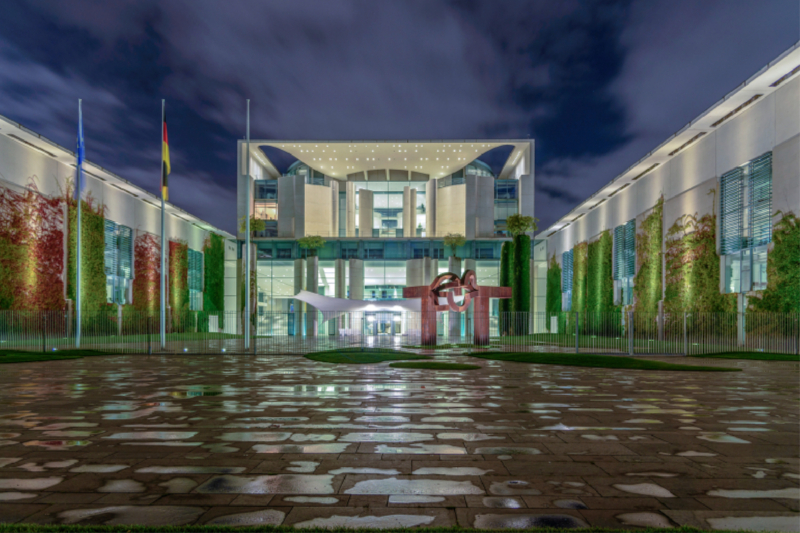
<point x="717" y="191"/>
<point x="383" y="209"/>
<point x="36" y="176"/>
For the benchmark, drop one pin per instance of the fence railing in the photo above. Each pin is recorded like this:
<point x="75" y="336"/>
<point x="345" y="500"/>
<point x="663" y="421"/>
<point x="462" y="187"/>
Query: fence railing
<point x="308" y="331"/>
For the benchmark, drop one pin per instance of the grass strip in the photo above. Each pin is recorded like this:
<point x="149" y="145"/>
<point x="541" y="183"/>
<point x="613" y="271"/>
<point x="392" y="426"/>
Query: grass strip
<point x="432" y="365"/>
<point x="365" y="356"/>
<point x="14" y="356"/>
<point x="755" y="356"/>
<point x="595" y="361"/>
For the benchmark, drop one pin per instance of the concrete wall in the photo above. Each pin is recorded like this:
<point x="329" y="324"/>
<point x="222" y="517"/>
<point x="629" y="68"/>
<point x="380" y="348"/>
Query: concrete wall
<point x="451" y="210"/>
<point x="350" y="218"/>
<point x="479" y="206"/>
<point x="430" y="209"/>
<point x="365" y="218"/>
<point x="770" y="124"/>
<point x="318" y="212"/>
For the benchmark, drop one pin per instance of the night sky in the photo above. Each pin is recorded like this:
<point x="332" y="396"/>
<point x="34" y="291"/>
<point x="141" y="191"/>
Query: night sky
<point x="597" y="84"/>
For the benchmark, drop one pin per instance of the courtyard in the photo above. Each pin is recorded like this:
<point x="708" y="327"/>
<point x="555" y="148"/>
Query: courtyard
<point x="283" y="440"/>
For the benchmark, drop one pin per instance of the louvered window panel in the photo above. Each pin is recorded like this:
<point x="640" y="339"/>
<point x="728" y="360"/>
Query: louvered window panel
<point x="125" y="251"/>
<point x="760" y="185"/>
<point x="566" y="271"/>
<point x="619" y="252"/>
<point x="111" y="259"/>
<point x="195" y="270"/>
<point x="731" y="211"/>
<point x="629" y="255"/>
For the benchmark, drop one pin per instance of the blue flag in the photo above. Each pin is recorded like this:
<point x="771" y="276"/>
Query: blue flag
<point x="80" y="180"/>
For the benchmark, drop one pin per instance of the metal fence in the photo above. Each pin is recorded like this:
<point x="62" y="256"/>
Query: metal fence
<point x="299" y="332"/>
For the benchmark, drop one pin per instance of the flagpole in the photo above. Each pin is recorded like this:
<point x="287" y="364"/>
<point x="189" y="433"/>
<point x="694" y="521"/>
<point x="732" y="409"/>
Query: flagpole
<point x="78" y="243"/>
<point x="163" y="307"/>
<point x="247" y="241"/>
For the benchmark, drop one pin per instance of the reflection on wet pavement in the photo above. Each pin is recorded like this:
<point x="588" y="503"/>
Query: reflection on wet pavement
<point x="243" y="440"/>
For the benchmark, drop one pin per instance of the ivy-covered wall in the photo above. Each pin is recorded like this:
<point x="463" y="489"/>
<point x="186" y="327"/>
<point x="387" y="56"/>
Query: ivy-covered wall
<point x="553" y="297"/>
<point x="782" y="294"/>
<point x="692" y="267"/>
<point x="580" y="277"/>
<point x="600" y="287"/>
<point x="214" y="273"/>
<point x="647" y="286"/>
<point x="147" y="272"/>
<point x="31" y="251"/>
<point x="522" y="274"/>
<point x="506" y="255"/>
<point x="178" y="268"/>
<point x="93" y="274"/>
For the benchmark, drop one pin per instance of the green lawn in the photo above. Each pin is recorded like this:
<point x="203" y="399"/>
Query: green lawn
<point x="432" y="365"/>
<point x="367" y="356"/>
<point x="755" y="356"/>
<point x="594" y="361"/>
<point x="14" y="356"/>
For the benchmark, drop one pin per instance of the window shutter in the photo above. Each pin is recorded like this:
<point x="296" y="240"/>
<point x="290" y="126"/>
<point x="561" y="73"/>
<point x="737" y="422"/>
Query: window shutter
<point x="619" y="252"/>
<point x="111" y="256"/>
<point x="125" y="246"/>
<point x="630" y="248"/>
<point x="730" y="208"/>
<point x="566" y="271"/>
<point x="761" y="200"/>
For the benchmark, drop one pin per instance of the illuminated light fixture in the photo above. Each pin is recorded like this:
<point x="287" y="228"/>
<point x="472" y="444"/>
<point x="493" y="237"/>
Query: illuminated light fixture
<point x="648" y="169"/>
<point x="23" y="141"/>
<point x="598" y="203"/>
<point x="615" y="192"/>
<point x="729" y="115"/>
<point x="185" y="349"/>
<point x="785" y="77"/>
<point x="577" y="217"/>
<point x="693" y="139"/>
<point x="550" y="235"/>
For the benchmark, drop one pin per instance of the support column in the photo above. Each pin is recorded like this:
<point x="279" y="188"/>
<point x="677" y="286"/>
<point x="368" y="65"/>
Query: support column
<point x="415" y="277"/>
<point x="454" y="317"/>
<point x="312" y="285"/>
<point x="430" y="208"/>
<point x="365" y="217"/>
<point x="350" y="218"/>
<point x="334" y="208"/>
<point x="469" y="314"/>
<point x="296" y="317"/>
<point x="409" y="212"/>
<point x="340" y="290"/>
<point x="357" y="293"/>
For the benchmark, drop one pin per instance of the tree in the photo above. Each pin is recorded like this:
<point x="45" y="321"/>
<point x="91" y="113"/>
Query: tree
<point x="256" y="224"/>
<point x="311" y="243"/>
<point x="454" y="240"/>
<point x="519" y="224"/>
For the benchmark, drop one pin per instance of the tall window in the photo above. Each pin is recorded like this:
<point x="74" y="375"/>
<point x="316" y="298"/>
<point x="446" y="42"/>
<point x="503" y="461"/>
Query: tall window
<point x="266" y="206"/>
<point x="505" y="203"/>
<point x="118" y="262"/>
<point x="746" y="224"/>
<point x="195" y="280"/>
<point x="566" y="281"/>
<point x="624" y="262"/>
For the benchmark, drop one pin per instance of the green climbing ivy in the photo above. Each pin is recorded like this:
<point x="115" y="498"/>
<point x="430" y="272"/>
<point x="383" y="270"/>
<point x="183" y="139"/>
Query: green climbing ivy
<point x="553" y="301"/>
<point x="647" y="285"/>
<point x="506" y="254"/>
<point x="692" y="267"/>
<point x="214" y="277"/>
<point x="93" y="274"/>
<point x="782" y="294"/>
<point x="580" y="277"/>
<point x="600" y="287"/>
<point x="521" y="282"/>
<point x="178" y="283"/>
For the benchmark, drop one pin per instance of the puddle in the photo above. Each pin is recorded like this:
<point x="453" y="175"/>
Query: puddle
<point x="57" y="444"/>
<point x="755" y="523"/>
<point x="39" y="483"/>
<point x="450" y="471"/>
<point x="364" y="470"/>
<point x="569" y="504"/>
<point x="722" y="437"/>
<point x="380" y="419"/>
<point x="153" y="435"/>
<point x="654" y="520"/>
<point x="501" y="503"/>
<point x="792" y="493"/>
<point x="191" y="470"/>
<point x="692" y="453"/>
<point x="507" y="451"/>
<point x="266" y="517"/>
<point x="385" y="437"/>
<point x="303" y="467"/>
<point x="179" y="485"/>
<point x="278" y="484"/>
<point x="471" y="437"/>
<point x="461" y="419"/>
<point x="652" y="474"/>
<point x="129" y="515"/>
<point x="220" y="448"/>
<point x="599" y="437"/>
<point x="643" y="421"/>
<point x="312" y="499"/>
<point x="122" y="485"/>
<point x="254" y="437"/>
<point x="414" y="486"/>
<point x="301" y="448"/>
<point x="433" y="449"/>
<point x="13" y="496"/>
<point x="513" y="488"/>
<point x="394" y="521"/>
<point x="412" y="498"/>
<point x="646" y="489"/>
<point x="521" y="521"/>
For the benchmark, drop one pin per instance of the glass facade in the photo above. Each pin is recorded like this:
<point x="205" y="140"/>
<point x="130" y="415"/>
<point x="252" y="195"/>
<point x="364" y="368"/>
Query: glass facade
<point x="118" y="262"/>
<point x="387" y="208"/>
<point x="505" y="203"/>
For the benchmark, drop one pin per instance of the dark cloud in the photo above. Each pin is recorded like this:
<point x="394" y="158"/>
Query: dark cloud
<point x="596" y="83"/>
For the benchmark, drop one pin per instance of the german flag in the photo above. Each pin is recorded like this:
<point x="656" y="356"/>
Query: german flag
<point x="165" y="167"/>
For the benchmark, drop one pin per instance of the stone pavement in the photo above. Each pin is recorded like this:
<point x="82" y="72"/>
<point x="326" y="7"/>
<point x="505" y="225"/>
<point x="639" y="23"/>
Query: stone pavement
<point x="222" y="439"/>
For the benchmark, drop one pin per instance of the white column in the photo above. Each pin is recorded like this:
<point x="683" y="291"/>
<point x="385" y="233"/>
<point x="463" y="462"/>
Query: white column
<point x="312" y="285"/>
<point x="350" y="190"/>
<point x="365" y="217"/>
<point x="430" y="208"/>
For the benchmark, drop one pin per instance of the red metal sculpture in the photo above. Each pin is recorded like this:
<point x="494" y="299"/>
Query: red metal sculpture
<point x="449" y="286"/>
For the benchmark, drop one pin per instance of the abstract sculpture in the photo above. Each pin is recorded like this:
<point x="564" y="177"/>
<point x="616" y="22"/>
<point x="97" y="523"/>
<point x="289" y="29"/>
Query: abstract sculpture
<point x="448" y="286"/>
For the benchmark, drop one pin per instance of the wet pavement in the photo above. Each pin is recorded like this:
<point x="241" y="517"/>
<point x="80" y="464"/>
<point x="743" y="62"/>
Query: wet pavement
<point x="253" y="440"/>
